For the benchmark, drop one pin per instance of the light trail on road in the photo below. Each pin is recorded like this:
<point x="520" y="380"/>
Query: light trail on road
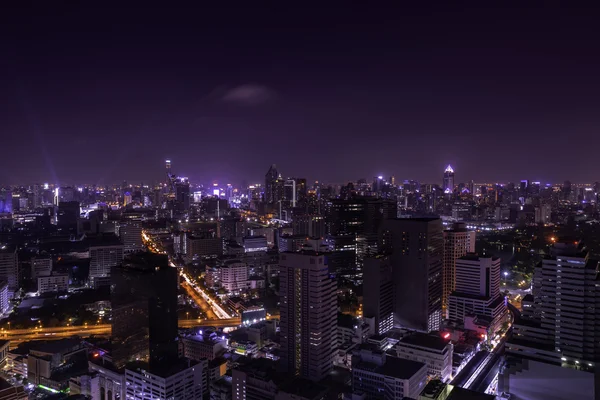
<point x="216" y="308"/>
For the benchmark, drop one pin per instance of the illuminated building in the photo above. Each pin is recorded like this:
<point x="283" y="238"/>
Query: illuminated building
<point x="458" y="241"/>
<point x="41" y="266"/>
<point x="477" y="291"/>
<point x="130" y="234"/>
<point x="416" y="248"/>
<point x="9" y="268"/>
<point x="183" y="380"/>
<point x="430" y="349"/>
<point x="105" y="253"/>
<point x="557" y="341"/>
<point x="378" y="293"/>
<point x="144" y="310"/>
<point x="377" y="376"/>
<point x="448" y="181"/>
<point x="53" y="283"/>
<point x="308" y="308"/>
<point x="182" y="195"/>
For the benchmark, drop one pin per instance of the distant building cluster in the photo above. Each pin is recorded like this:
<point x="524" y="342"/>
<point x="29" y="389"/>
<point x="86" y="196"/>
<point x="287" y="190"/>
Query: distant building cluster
<point x="289" y="289"/>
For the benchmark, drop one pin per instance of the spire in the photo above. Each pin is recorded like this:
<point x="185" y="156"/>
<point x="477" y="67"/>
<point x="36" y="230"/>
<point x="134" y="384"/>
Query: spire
<point x="449" y="169"/>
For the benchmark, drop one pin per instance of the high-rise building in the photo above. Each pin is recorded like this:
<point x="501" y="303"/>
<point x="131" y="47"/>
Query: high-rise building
<point x="477" y="291"/>
<point x="448" y="181"/>
<point x="105" y="252"/>
<point x="182" y="195"/>
<point x="416" y="247"/>
<point x="68" y="216"/>
<point x="308" y="314"/>
<point x="130" y="233"/>
<point x="9" y="268"/>
<point x="378" y="293"/>
<point x="144" y="310"/>
<point x="458" y="241"/>
<point x="558" y="340"/>
<point x="270" y="184"/>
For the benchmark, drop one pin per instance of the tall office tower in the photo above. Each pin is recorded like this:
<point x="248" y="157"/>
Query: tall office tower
<point x="289" y="192"/>
<point x="9" y="268"/>
<point x="360" y="218"/>
<point x="416" y="246"/>
<point x="6" y="205"/>
<point x="37" y="196"/>
<point x="270" y="183"/>
<point x="105" y="252"/>
<point x="310" y="225"/>
<point x="68" y="216"/>
<point x="144" y="309"/>
<point x="308" y="314"/>
<point x="458" y="241"/>
<point x="523" y="189"/>
<point x="448" y="182"/>
<point x="182" y="194"/>
<point x="130" y="233"/>
<point x="168" y="167"/>
<point x="378" y="293"/>
<point x="543" y="214"/>
<point x="557" y="341"/>
<point x="477" y="292"/>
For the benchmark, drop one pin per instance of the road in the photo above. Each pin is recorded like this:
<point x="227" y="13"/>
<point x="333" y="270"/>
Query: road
<point x="214" y="305"/>
<point x="17" y="336"/>
<point x="203" y="304"/>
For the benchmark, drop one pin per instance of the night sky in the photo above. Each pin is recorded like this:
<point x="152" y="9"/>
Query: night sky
<point x="101" y="95"/>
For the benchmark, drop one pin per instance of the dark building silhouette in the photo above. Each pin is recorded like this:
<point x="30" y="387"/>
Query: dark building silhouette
<point x="144" y="309"/>
<point x="182" y="195"/>
<point x="416" y="248"/>
<point x="68" y="216"/>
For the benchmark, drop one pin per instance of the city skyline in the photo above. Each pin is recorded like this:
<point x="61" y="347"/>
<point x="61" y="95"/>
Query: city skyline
<point x="405" y="91"/>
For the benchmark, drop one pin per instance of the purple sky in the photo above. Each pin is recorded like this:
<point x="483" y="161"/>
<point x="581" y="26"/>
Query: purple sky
<point x="101" y="95"/>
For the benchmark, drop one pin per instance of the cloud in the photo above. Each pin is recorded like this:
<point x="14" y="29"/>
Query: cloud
<point x="248" y="94"/>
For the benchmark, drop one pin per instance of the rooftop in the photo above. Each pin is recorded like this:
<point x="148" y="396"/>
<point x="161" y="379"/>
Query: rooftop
<point x="425" y="340"/>
<point x="400" y="368"/>
<point x="164" y="370"/>
<point x="459" y="393"/>
<point x="303" y="388"/>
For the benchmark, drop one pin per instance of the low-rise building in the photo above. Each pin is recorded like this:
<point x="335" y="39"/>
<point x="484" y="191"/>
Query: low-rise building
<point x="53" y="283"/>
<point x="198" y="346"/>
<point x="432" y="350"/>
<point x="182" y="381"/>
<point x="377" y="376"/>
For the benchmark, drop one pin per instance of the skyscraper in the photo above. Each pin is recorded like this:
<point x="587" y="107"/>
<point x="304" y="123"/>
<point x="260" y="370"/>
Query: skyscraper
<point x="448" y="182"/>
<point x="68" y="216"/>
<point x="555" y="341"/>
<point x="458" y="241"/>
<point x="9" y="268"/>
<point x="182" y="194"/>
<point x="270" y="183"/>
<point x="144" y="309"/>
<point x="378" y="293"/>
<point x="416" y="247"/>
<point x="308" y="314"/>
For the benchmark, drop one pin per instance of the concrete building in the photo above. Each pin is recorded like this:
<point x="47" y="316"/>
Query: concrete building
<point x="53" y="283"/>
<point x="130" y="234"/>
<point x="256" y="380"/>
<point x="4" y="297"/>
<point x="562" y="328"/>
<point x="477" y="290"/>
<point x="255" y="243"/>
<point x="105" y="253"/>
<point x="376" y="376"/>
<point x="199" y="346"/>
<point x="308" y="314"/>
<point x="110" y="381"/>
<point x="41" y="266"/>
<point x="234" y="275"/>
<point x="9" y="268"/>
<point x="432" y="350"/>
<point x="378" y="293"/>
<point x="199" y="246"/>
<point x="48" y="357"/>
<point x="182" y="381"/>
<point x="416" y="247"/>
<point x="458" y="241"/>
